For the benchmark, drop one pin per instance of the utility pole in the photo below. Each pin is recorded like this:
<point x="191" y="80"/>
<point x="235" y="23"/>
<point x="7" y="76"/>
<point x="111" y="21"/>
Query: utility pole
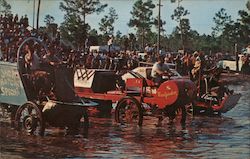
<point x="236" y="56"/>
<point x="159" y="29"/>
<point x="182" y="40"/>
<point x="38" y="11"/>
<point x="34" y="7"/>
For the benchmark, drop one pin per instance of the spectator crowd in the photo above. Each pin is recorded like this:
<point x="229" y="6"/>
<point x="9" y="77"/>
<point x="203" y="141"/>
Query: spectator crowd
<point x="14" y="30"/>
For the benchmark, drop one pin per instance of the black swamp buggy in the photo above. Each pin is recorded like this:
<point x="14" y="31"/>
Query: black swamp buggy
<point x="41" y="98"/>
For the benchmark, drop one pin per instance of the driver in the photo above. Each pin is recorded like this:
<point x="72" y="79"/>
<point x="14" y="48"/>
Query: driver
<point x="32" y="60"/>
<point x="50" y="62"/>
<point x="159" y="70"/>
<point x="40" y="83"/>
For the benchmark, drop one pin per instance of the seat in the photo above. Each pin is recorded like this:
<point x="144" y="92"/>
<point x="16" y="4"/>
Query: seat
<point x="135" y="86"/>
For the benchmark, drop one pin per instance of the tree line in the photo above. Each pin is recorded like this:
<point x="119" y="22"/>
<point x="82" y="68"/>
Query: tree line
<point x="76" y="29"/>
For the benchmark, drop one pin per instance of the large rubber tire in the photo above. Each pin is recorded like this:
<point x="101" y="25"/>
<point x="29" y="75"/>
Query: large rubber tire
<point x="29" y="119"/>
<point x="129" y="111"/>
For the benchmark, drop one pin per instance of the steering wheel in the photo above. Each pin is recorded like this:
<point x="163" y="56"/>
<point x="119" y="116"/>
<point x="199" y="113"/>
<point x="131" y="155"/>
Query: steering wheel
<point x="168" y="75"/>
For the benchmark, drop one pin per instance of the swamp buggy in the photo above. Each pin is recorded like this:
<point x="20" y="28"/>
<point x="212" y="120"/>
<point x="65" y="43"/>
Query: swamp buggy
<point x="135" y="96"/>
<point x="35" y="101"/>
<point x="213" y="95"/>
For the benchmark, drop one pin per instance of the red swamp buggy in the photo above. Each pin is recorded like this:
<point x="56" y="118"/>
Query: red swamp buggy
<point x="213" y="95"/>
<point x="135" y="96"/>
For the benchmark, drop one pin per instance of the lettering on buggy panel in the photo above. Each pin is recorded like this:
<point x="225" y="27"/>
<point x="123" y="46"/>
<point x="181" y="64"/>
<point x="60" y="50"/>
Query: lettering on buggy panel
<point x="167" y="94"/>
<point x="9" y="82"/>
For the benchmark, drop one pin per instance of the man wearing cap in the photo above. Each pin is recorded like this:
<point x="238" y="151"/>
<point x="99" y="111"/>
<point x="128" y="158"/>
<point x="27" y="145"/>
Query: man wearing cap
<point x="159" y="70"/>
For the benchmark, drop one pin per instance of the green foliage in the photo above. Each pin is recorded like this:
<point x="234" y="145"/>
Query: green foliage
<point x="118" y="38"/>
<point x="184" y="26"/>
<point x="5" y="7"/>
<point x="132" y="41"/>
<point x="245" y="27"/>
<point x="238" y="32"/>
<point x="107" y="22"/>
<point x="162" y="23"/>
<point x="206" y="43"/>
<point x="93" y="32"/>
<point x="82" y="8"/>
<point x="74" y="28"/>
<point x="225" y="33"/>
<point x="228" y="32"/>
<point x="152" y="37"/>
<point x="179" y="13"/>
<point x="248" y="4"/>
<point x="48" y="19"/>
<point x="221" y="19"/>
<point x="142" y="18"/>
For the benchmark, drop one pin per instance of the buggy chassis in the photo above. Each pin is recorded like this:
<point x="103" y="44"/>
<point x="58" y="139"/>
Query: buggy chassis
<point x="137" y="96"/>
<point x="30" y="113"/>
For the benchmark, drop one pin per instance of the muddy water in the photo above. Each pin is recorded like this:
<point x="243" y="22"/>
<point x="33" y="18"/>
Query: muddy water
<point x="204" y="137"/>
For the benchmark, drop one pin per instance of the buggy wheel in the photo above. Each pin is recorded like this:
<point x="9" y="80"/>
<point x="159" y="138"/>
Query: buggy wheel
<point x="29" y="119"/>
<point x="129" y="111"/>
<point x="190" y="109"/>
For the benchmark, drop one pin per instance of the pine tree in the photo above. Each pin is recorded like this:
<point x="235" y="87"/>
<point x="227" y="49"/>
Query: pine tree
<point x="75" y="27"/>
<point x="48" y="19"/>
<point x="142" y="18"/>
<point x="5" y="7"/>
<point x="107" y="22"/>
<point x="179" y="16"/>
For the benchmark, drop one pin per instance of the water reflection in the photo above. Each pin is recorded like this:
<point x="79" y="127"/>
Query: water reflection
<point x="227" y="136"/>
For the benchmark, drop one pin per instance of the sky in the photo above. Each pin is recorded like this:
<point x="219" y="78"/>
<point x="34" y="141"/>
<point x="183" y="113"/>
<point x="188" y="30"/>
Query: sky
<point x="201" y="12"/>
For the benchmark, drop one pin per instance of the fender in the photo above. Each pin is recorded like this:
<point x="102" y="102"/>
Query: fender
<point x="228" y="103"/>
<point x="175" y="92"/>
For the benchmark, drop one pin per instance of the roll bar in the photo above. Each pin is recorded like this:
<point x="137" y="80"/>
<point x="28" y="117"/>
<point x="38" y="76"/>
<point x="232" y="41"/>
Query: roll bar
<point x="25" y="41"/>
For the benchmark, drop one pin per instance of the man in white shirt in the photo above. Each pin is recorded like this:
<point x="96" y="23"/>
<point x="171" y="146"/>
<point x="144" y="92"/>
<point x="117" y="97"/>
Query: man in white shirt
<point x="160" y="69"/>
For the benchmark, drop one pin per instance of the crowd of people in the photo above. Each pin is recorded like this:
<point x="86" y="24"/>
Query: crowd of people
<point x="13" y="31"/>
<point x="184" y="63"/>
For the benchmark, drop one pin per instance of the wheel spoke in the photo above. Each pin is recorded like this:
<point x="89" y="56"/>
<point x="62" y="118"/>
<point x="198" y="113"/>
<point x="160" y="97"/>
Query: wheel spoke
<point x="128" y="102"/>
<point x="30" y="110"/>
<point x="25" y="111"/>
<point x="128" y="112"/>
